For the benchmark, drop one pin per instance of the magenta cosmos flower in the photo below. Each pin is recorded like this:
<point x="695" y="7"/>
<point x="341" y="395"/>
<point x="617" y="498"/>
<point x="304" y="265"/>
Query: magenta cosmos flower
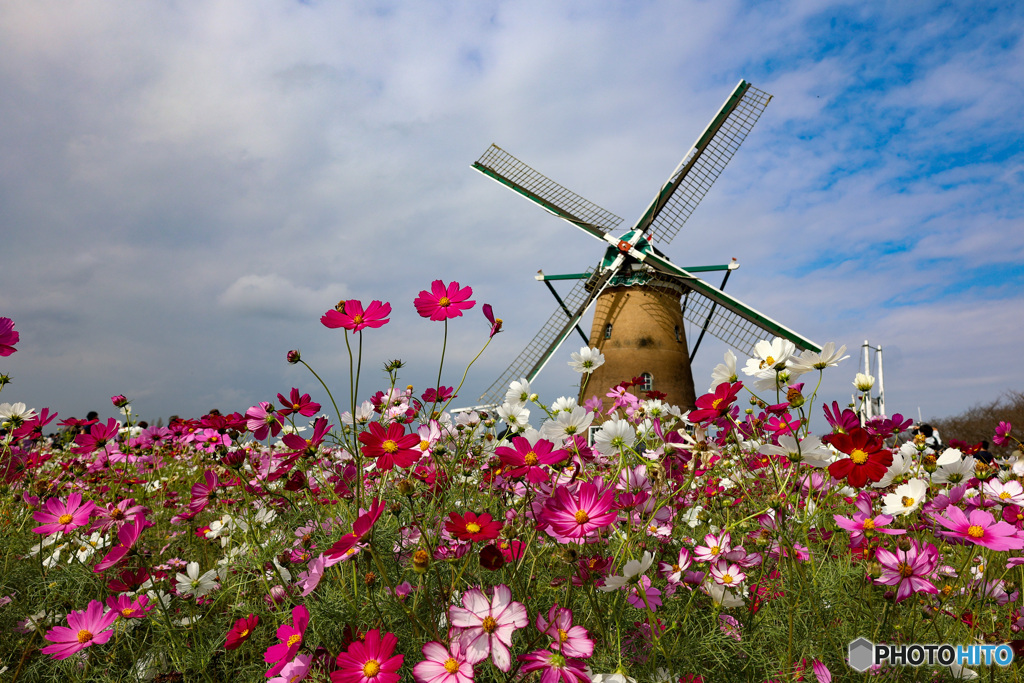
<point x="572" y="517"/>
<point x="63" y="517"/>
<point x="391" y="446"/>
<point x="291" y="636"/>
<point x="980" y="528"/>
<point x="302" y="405"/>
<point x="908" y="568"/>
<point x="486" y="626"/>
<point x="444" y="301"/>
<point x="572" y="641"/>
<point x="8" y="337"/>
<point x="352" y="316"/>
<point x="127" y="536"/>
<point x="555" y="667"/>
<point x="369" y="661"/>
<point x="83" y="629"/>
<point x="1002" y="433"/>
<point x="714" y="405"/>
<point x="443" y="665"/>
<point x="526" y="459"/>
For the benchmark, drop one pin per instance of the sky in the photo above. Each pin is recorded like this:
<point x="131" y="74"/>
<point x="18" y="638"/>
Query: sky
<point x="186" y="187"/>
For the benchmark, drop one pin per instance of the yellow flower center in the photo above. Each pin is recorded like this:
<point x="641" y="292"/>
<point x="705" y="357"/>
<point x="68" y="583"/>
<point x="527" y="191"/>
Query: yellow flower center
<point x="84" y="636"/>
<point x="562" y="636"/>
<point x="424" y="445"/>
<point x="530" y="458"/>
<point x="65" y="519"/>
<point x="717" y="402"/>
<point x="727" y="579"/>
<point x="244" y="633"/>
<point x="676" y="569"/>
<point x="489" y="625"/>
<point x="473" y="528"/>
<point x="907" y="501"/>
<point x="127" y="612"/>
<point x="858" y="456"/>
<point x="582" y="517"/>
<point x="975" y="531"/>
<point x="715" y="549"/>
<point x="296" y="638"/>
<point x="295" y="406"/>
<point x="905" y="570"/>
<point x="389" y="446"/>
<point x="450" y="665"/>
<point x="1004" y="495"/>
<point x="357" y="319"/>
<point x="444" y="301"/>
<point x="371" y="668"/>
<point x="869" y="524"/>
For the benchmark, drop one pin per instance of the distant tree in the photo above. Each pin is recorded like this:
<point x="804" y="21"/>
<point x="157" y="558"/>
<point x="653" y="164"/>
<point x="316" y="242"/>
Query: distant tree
<point x="980" y="422"/>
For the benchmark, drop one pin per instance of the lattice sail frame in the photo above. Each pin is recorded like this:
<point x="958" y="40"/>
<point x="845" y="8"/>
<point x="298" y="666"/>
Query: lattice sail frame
<point x="730" y="327"/>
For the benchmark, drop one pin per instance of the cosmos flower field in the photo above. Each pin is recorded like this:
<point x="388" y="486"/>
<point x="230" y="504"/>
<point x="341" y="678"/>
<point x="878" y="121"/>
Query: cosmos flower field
<point x="374" y="535"/>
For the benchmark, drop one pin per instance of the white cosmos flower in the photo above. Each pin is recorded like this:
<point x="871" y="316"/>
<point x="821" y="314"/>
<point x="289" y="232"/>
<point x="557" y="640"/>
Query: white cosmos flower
<point x="955" y="472"/>
<point x="724" y="372"/>
<point x="15" y="414"/>
<point x="812" y="360"/>
<point x="191" y="583"/>
<point x="776" y="380"/>
<point x="907" y="498"/>
<point x="809" y="451"/>
<point x="770" y="356"/>
<point x="515" y="415"/>
<point x="902" y="463"/>
<point x="587" y="360"/>
<point x="566" y="424"/>
<point x="518" y="392"/>
<point x="563" y="403"/>
<point x="615" y="434"/>
<point x="949" y="456"/>
<point x="633" y="569"/>
<point x="863" y="382"/>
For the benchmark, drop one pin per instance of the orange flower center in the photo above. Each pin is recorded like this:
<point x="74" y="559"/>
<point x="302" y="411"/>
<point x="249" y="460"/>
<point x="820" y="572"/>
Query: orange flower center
<point x="582" y="517"/>
<point x="869" y="524"/>
<point x="530" y="458"/>
<point x="127" y="612"/>
<point x="715" y="549"/>
<point x="562" y="636"/>
<point x="444" y="301"/>
<point x="858" y="456"/>
<point x="371" y="668"/>
<point x="66" y="519"/>
<point x="489" y="625"/>
<point x="357" y="319"/>
<point x="424" y="445"/>
<point x="450" y="665"/>
<point x="389" y="446"/>
<point x="84" y="636"/>
<point x="295" y="406"/>
<point x="907" y="501"/>
<point x="472" y="528"/>
<point x="727" y="579"/>
<point x="244" y="633"/>
<point x="975" y="531"/>
<point x="296" y="638"/>
<point x="717" y="402"/>
<point x="905" y="570"/>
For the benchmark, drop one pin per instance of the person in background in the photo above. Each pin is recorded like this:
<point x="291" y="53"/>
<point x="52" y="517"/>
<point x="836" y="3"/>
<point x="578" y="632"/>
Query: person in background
<point x="983" y="453"/>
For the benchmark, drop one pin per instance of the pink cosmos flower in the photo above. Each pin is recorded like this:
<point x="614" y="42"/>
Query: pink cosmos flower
<point x="572" y="517"/>
<point x="63" y="517"/>
<point x="495" y="322"/>
<point x="8" y="337"/>
<point x="203" y="492"/>
<point x="295" y="670"/>
<point x="351" y="315"/>
<point x="487" y="625"/>
<point x="1002" y="433"/>
<point x="291" y="640"/>
<point x="302" y="405"/>
<point x="527" y="459"/>
<point x="715" y="545"/>
<point x="908" y="568"/>
<point x="127" y="535"/>
<point x="572" y="641"/>
<point x="443" y="302"/>
<point x="360" y="528"/>
<point x="726" y="574"/>
<point x="369" y="661"/>
<point x="98" y="437"/>
<point x="555" y="667"/>
<point x="209" y="439"/>
<point x="443" y="665"/>
<point x="979" y="529"/>
<point x="673" y="573"/>
<point x="84" y="629"/>
<point x="127" y="608"/>
<point x="261" y="419"/>
<point x="863" y="524"/>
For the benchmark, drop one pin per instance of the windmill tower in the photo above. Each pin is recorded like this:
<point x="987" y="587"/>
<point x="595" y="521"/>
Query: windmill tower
<point x="641" y="298"/>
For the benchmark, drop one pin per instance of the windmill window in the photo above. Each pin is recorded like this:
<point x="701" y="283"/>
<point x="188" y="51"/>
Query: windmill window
<point x="608" y="331"/>
<point x="648" y="384"/>
<point x="678" y="338"/>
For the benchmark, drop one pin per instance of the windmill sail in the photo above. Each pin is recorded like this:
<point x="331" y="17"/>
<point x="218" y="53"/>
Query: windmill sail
<point x="701" y="166"/>
<point x="535" y="356"/>
<point x="501" y="166"/>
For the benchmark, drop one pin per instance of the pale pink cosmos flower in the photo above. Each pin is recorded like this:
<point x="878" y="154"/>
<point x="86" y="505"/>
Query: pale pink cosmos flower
<point x="443" y="665"/>
<point x="572" y="641"/>
<point x="1007" y="493"/>
<point x="673" y="573"/>
<point x="84" y="629"/>
<point x="726" y="574"/>
<point x="487" y="625"/>
<point x="63" y="517"/>
<point x="714" y="545"/>
<point x="908" y="568"/>
<point x="979" y="528"/>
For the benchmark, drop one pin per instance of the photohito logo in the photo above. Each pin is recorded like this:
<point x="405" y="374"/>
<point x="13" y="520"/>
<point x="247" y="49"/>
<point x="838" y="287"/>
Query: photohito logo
<point x="864" y="654"/>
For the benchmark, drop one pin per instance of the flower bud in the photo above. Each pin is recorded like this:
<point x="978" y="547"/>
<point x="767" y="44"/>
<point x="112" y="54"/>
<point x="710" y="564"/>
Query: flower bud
<point x="420" y="561"/>
<point x="405" y="487"/>
<point x="874" y="569"/>
<point x="294" y="356"/>
<point x="795" y="398"/>
<point x="119" y="401"/>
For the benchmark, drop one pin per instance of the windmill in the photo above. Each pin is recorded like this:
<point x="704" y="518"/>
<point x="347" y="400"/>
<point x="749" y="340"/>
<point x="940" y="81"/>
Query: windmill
<point x="640" y="297"/>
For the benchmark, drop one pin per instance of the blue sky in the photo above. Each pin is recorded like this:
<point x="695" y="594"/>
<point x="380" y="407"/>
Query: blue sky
<point x="186" y="188"/>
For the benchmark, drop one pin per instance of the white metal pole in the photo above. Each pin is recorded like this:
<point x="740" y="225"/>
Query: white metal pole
<point x="881" y="383"/>
<point x="867" y="371"/>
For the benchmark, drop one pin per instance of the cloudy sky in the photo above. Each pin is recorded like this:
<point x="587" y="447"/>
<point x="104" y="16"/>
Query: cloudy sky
<point x="185" y="187"/>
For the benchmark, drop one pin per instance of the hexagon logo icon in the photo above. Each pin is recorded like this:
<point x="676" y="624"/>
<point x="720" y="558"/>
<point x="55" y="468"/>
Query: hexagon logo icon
<point x="861" y="654"/>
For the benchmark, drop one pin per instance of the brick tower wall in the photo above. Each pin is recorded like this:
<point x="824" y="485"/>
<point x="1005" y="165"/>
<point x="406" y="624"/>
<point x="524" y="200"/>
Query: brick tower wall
<point x="647" y="336"/>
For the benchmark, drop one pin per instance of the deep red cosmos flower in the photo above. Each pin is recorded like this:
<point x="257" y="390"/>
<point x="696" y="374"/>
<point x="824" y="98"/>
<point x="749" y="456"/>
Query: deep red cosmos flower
<point x="444" y="301"/>
<point x="302" y="405"/>
<point x="8" y="337"/>
<point x="712" y="406"/>
<point x="241" y="631"/>
<point x="391" y="446"/>
<point x="868" y="461"/>
<point x="351" y="315"/>
<point x="472" y="527"/>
